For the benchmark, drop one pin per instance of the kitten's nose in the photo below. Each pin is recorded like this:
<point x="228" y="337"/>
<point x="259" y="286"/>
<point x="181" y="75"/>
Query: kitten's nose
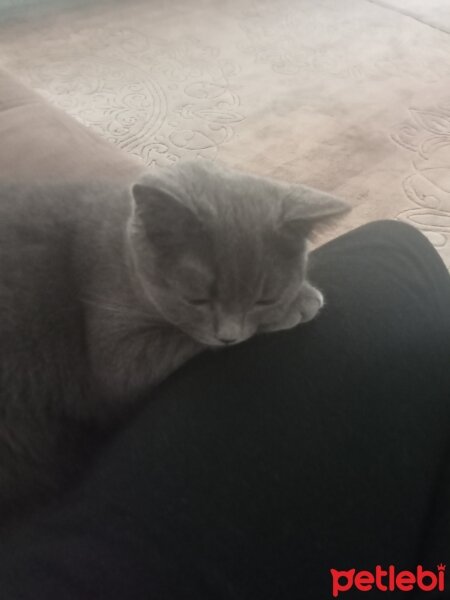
<point x="229" y="331"/>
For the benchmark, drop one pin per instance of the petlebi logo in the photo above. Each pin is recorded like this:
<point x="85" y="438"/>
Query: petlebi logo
<point x="387" y="580"/>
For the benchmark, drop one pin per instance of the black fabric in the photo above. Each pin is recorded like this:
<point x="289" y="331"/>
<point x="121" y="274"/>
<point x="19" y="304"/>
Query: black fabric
<point x="253" y="471"/>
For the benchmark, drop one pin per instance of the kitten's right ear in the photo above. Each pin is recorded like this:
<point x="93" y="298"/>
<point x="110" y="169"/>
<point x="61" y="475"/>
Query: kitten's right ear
<point x="150" y="197"/>
<point x="163" y="215"/>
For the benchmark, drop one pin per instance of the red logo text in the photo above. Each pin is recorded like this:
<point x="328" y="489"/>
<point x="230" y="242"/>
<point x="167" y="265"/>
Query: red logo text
<point x="388" y="580"/>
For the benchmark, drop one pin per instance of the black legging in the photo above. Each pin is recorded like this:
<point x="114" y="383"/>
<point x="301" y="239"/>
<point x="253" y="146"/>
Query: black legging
<point x="254" y="471"/>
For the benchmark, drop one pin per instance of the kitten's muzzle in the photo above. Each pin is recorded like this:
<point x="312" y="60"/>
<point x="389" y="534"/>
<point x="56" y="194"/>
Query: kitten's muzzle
<point x="230" y="330"/>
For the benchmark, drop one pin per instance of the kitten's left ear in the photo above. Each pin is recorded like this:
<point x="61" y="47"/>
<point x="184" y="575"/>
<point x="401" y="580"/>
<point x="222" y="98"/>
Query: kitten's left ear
<point x="304" y="208"/>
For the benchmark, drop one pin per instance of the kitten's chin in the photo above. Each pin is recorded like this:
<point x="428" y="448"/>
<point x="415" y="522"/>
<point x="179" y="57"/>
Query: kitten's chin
<point x="212" y="343"/>
<point x="216" y="344"/>
<point x="204" y="340"/>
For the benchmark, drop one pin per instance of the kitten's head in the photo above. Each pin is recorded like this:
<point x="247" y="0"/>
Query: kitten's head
<point x="222" y="254"/>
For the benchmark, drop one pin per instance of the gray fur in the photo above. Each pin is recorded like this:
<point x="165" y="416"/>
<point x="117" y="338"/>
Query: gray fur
<point x="104" y="292"/>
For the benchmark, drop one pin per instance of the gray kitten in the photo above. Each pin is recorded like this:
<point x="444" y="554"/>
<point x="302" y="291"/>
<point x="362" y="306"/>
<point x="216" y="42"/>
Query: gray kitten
<point x="104" y="293"/>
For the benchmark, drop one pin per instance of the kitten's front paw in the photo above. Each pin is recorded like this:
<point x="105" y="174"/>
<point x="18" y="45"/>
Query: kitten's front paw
<point x="304" y="308"/>
<point x="310" y="302"/>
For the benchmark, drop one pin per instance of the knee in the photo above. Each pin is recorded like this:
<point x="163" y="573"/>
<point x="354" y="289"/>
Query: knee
<point x="392" y="230"/>
<point x="393" y="234"/>
<point x="388" y="240"/>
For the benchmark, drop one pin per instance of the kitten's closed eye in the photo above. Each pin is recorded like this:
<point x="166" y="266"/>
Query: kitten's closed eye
<point x="198" y="301"/>
<point x="265" y="301"/>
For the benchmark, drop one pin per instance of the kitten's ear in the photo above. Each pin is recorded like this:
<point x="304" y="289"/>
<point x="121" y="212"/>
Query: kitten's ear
<point x="164" y="216"/>
<point x="304" y="208"/>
